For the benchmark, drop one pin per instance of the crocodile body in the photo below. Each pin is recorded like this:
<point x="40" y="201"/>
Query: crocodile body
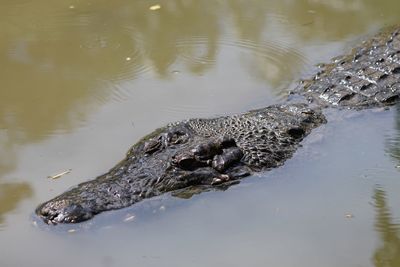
<point x="368" y="77"/>
<point x="210" y="153"/>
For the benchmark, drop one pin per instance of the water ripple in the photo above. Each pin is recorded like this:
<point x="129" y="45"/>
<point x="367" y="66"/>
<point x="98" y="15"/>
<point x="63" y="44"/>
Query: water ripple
<point x="197" y="50"/>
<point x="272" y="62"/>
<point x="202" y="50"/>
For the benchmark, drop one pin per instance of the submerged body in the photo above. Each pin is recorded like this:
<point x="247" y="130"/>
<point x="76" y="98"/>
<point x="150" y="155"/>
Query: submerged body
<point x="208" y="153"/>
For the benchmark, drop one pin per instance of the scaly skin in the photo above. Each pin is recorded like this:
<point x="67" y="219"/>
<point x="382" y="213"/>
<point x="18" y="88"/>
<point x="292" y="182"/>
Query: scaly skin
<point x="208" y="153"/>
<point x="368" y="77"/>
<point x="198" y="152"/>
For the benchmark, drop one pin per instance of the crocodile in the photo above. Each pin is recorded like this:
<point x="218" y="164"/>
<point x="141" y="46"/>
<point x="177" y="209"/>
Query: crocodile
<point x="213" y="153"/>
<point x="367" y="77"/>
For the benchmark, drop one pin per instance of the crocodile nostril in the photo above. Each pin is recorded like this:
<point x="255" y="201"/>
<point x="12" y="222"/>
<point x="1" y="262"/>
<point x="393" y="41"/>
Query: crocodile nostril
<point x="43" y="212"/>
<point x="296" y="132"/>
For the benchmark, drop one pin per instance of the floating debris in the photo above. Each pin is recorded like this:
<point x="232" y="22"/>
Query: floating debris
<point x="307" y="23"/>
<point x="349" y="216"/>
<point x="162" y="208"/>
<point x="56" y="176"/>
<point x="71" y="231"/>
<point x="154" y="7"/>
<point x="128" y="59"/>
<point x="129" y="218"/>
<point x="176" y="72"/>
<point x="71" y="7"/>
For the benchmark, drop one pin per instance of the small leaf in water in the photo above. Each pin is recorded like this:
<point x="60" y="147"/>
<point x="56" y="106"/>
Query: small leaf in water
<point x="56" y="176"/>
<point x="129" y="218"/>
<point x="154" y="7"/>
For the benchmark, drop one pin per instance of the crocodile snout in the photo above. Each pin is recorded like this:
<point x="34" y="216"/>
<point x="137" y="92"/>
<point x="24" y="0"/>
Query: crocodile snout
<point x="62" y="211"/>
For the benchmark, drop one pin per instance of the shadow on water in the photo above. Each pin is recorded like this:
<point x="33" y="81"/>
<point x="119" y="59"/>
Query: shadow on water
<point x="62" y="62"/>
<point x="393" y="142"/>
<point x="10" y="196"/>
<point x="388" y="255"/>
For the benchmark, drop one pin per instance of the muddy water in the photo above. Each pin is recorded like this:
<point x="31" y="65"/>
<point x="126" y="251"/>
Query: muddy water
<point x="83" y="80"/>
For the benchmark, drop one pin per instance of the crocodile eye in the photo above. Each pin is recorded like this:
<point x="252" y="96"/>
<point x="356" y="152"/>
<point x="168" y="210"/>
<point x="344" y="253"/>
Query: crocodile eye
<point x="296" y="132"/>
<point x="187" y="163"/>
<point x="176" y="137"/>
<point x="184" y="161"/>
<point x="227" y="142"/>
<point x="152" y="146"/>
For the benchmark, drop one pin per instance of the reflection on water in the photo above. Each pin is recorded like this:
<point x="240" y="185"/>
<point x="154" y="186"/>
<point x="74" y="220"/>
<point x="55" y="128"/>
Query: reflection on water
<point x="337" y="19"/>
<point x="393" y="142"/>
<point x="11" y="194"/>
<point x="388" y="255"/>
<point x="58" y="60"/>
<point x="63" y="61"/>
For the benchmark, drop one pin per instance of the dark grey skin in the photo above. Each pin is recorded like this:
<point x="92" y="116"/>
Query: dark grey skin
<point x="210" y="153"/>
<point x="198" y="152"/>
<point x="367" y="77"/>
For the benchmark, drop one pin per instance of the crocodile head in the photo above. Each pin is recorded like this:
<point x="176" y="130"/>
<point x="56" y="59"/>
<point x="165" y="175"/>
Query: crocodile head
<point x="84" y="201"/>
<point x="198" y="153"/>
<point x="151" y="170"/>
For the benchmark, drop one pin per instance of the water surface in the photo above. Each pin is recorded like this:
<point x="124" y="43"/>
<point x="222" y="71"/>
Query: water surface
<point x="82" y="81"/>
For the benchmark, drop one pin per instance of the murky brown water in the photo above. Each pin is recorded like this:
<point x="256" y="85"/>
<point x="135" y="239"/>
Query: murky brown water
<point x="81" y="81"/>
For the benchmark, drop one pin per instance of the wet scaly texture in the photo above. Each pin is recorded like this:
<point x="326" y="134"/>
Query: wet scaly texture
<point x="368" y="77"/>
<point x="198" y="152"/>
<point x="213" y="152"/>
